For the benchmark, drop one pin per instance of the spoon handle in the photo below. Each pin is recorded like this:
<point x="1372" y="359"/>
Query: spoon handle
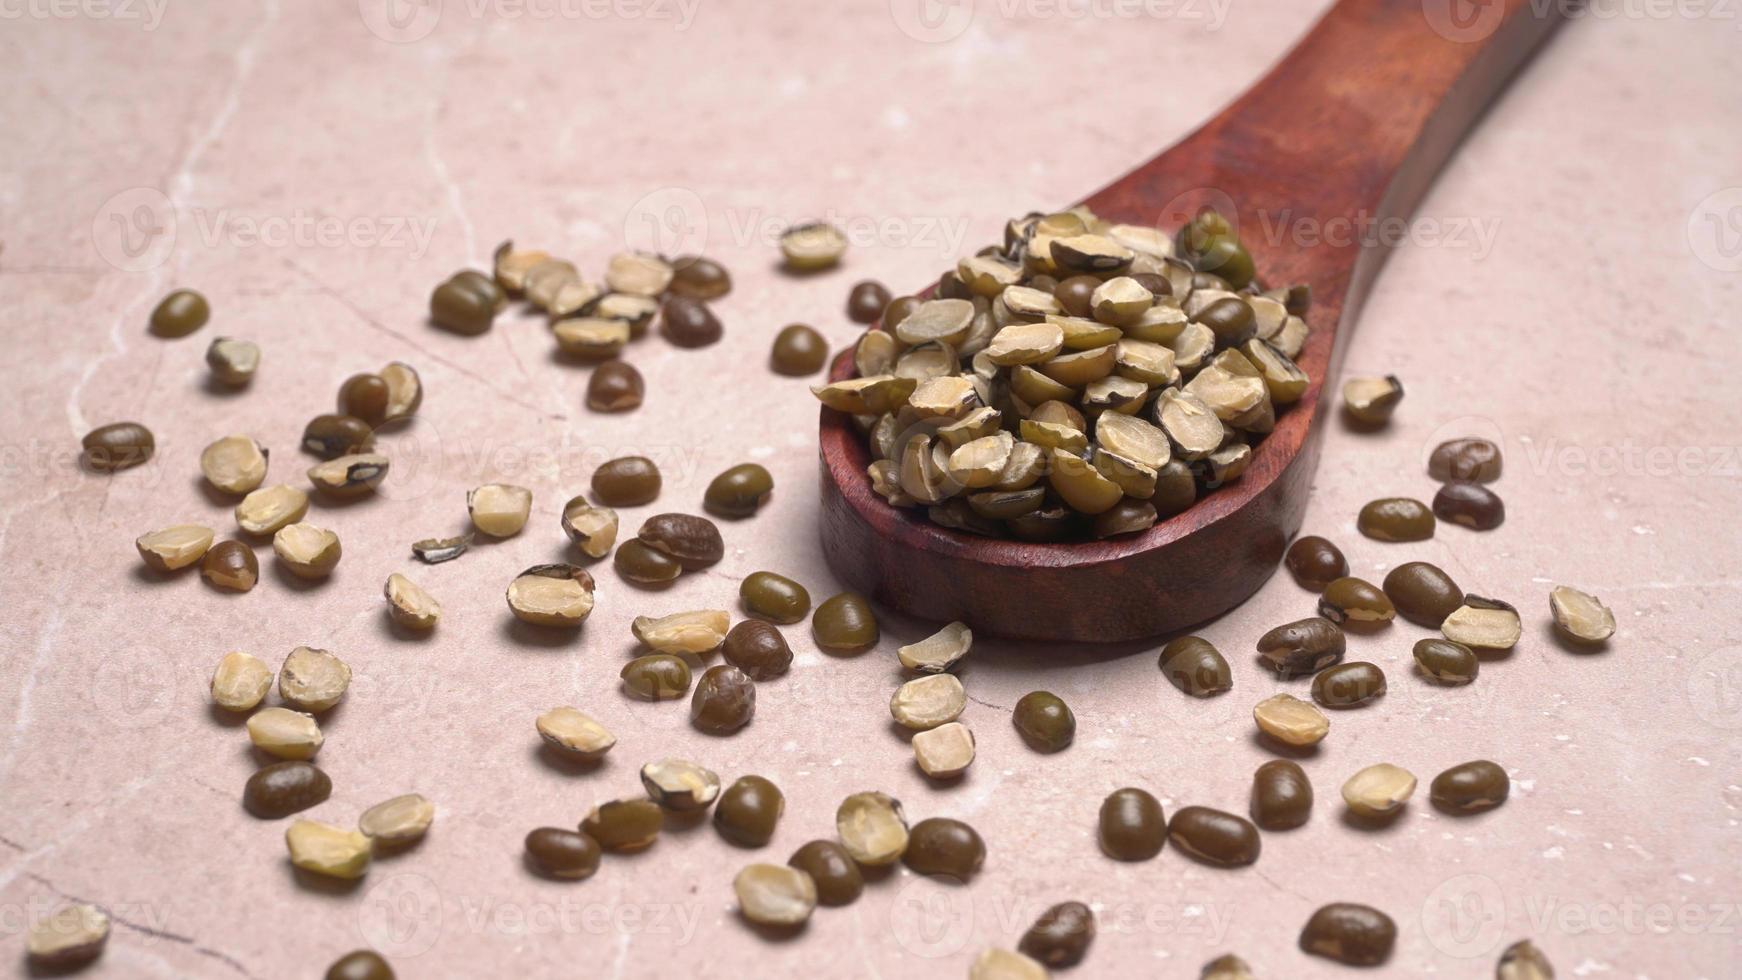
<point x="1338" y="143"/>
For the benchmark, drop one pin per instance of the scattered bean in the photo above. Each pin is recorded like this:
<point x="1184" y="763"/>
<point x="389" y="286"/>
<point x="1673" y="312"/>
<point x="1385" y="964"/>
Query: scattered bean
<point x="872" y="828"/>
<point x="845" y="624"/>
<point x="739" y="492"/>
<point x="67" y="938"/>
<point x="678" y="784"/>
<point x="656" y="677"/>
<point x="285" y="733"/>
<point x="749" y="810"/>
<point x="398" y="821"/>
<point x="234" y="464"/>
<point x="563" y="854"/>
<point x="284" y="788"/>
<point x="774" y="597"/>
<point x="179" y="314"/>
<point x="575" y="734"/>
<point x="944" y="846"/>
<point x="1580" y="616"/>
<point x="693" y="542"/>
<point x="556" y="594"/>
<point x="1214" y="837"/>
<point x="240" y="682"/>
<point x="725" y="701"/>
<point x="313" y="680"/>
<point x="799" y="351"/>
<point x="1470" y="504"/>
<point x="1282" y="796"/>
<point x="698" y="632"/>
<point x="268" y="509"/>
<point x="1196" y="667"/>
<point x="592" y="529"/>
<point x="834" y="871"/>
<point x="1133" y="827"/>
<point x="323" y="849"/>
<point x="624" y="826"/>
<point x="1379" y="790"/>
<point x="1044" y="721"/>
<point x="1305" y="646"/>
<point x="1446" y="662"/>
<point x="929" y="701"/>
<point x="1470" y="788"/>
<point x="757" y="649"/>
<point x="689" y="323"/>
<point x="1396" y="519"/>
<point x="1471" y="459"/>
<point x="1358" y="603"/>
<point x="1523" y="961"/>
<point x="332" y="436"/>
<point x="233" y="362"/>
<point x="629" y="481"/>
<point x="1349" y="685"/>
<point x="1422" y="593"/>
<point x="775" y="895"/>
<point x="1370" y="401"/>
<point x="1356" y="935"/>
<point x="117" y="446"/>
<point x="1483" y="624"/>
<point x="1291" y="721"/>
<point x="1061" y="936"/>
<point x="944" y="752"/>
<point x="409" y="605"/>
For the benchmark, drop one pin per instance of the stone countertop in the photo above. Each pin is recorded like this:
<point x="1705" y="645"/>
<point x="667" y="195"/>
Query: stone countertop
<point x="1570" y="288"/>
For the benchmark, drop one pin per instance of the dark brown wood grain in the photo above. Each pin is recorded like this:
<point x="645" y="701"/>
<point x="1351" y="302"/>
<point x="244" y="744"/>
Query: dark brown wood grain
<point x="1345" y="133"/>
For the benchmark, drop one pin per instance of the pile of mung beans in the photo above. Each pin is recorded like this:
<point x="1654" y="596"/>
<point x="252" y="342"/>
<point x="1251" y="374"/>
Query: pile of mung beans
<point x="1081" y="379"/>
<point x="1038" y="360"/>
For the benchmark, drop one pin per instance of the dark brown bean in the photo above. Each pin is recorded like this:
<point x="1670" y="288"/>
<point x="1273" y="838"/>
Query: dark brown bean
<point x="628" y="481"/>
<point x="1349" y="685"/>
<point x="332" y="436"/>
<point x="739" y="492"/>
<point x="638" y="563"/>
<point x="1357" y="935"/>
<point x="1356" y="603"/>
<point x="1195" y="666"/>
<point x="898" y="310"/>
<point x="1231" y="320"/>
<point x="1214" y="837"/>
<point x="1470" y="504"/>
<point x="362" y="964"/>
<point x="866" y="301"/>
<point x="1061" y="936"/>
<point x="1133" y="827"/>
<point x="798" y="351"/>
<point x="757" y="649"/>
<point x="284" y="788"/>
<point x="466" y="302"/>
<point x="1396" y="519"/>
<point x="1422" y="593"/>
<point x="230" y="566"/>
<point x="1075" y="293"/>
<point x="944" y="846"/>
<point x="1282" y="796"/>
<point x="558" y="853"/>
<point x="1474" y="460"/>
<point x="1157" y="285"/>
<point x="725" y="700"/>
<point x="364" y="396"/>
<point x="1303" y="647"/>
<point x="179" y="314"/>
<point x="1044" y="721"/>
<point x="1523" y="961"/>
<point x="1445" y="661"/>
<point x="622" y="826"/>
<point x="1315" y="562"/>
<point x="845" y="624"/>
<point x="656" y="677"/>
<point x="117" y="446"/>
<point x="688" y="322"/>
<point x="1470" y="788"/>
<point x="749" y="810"/>
<point x="836" y="874"/>
<point x="775" y="597"/>
<point x="699" y="277"/>
<point x="615" y="387"/>
<point x="693" y="542"/>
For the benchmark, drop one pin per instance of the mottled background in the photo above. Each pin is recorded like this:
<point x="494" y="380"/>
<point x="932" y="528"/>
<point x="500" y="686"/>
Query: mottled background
<point x="315" y="168"/>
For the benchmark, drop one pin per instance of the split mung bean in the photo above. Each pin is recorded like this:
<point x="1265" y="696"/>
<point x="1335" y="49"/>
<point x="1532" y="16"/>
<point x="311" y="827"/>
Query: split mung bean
<point x="555" y="594"/>
<point x="268" y="509"/>
<point x="1446" y="662"/>
<point x="939" y="652"/>
<point x="944" y="752"/>
<point x="1227" y="967"/>
<point x="285" y="733"/>
<point x="592" y="529"/>
<point x="323" y="849"/>
<point x="398" y="821"/>
<point x="1061" y="936"/>
<point x="284" y="788"/>
<point x="928" y="701"/>
<point x="775" y="598"/>
<point x="775" y="895"/>
<point x="624" y="826"/>
<point x="66" y="939"/>
<point x="1004" y="964"/>
<point x="944" y="846"/>
<point x="1315" y="562"/>
<point x="1396" y="519"/>
<point x="656" y="677"/>
<point x="1523" y="961"/>
<point x="1303" y="647"/>
<point x="678" y="784"/>
<point x="240" y="682"/>
<point x="615" y="386"/>
<point x="563" y="854"/>
<point x="698" y="632"/>
<point x="409" y="605"/>
<point x="1472" y="787"/>
<point x="872" y="828"/>
<point x="573" y="733"/>
<point x="757" y="649"/>
<point x="1580" y="616"/>
<point x="313" y="680"/>
<point x="1196" y="667"/>
<point x="1291" y="721"/>
<point x="1483" y="624"/>
<point x="833" y="870"/>
<point x="813" y="246"/>
<point x="1214" y="837"/>
<point x="232" y="361"/>
<point x="230" y="566"/>
<point x="1132" y="825"/>
<point x="344" y="477"/>
<point x="1379" y="790"/>
<point x="179" y="314"/>
<point x="434" y="551"/>
<point x="724" y="700"/>
<point x="1356" y="935"/>
<point x="629" y="481"/>
<point x="1422" y="593"/>
<point x="174" y="548"/>
<point x="749" y="811"/>
<point x="1371" y="401"/>
<point x="1282" y="796"/>
<point x="116" y="446"/>
<point x="234" y="464"/>
<point x="845" y="624"/>
<point x="499" y="509"/>
<point x="1470" y="504"/>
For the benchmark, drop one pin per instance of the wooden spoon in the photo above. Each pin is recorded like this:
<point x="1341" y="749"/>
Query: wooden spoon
<point x="1345" y="132"/>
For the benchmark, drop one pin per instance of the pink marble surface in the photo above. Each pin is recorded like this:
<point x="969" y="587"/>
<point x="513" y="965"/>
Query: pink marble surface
<point x="1568" y="292"/>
